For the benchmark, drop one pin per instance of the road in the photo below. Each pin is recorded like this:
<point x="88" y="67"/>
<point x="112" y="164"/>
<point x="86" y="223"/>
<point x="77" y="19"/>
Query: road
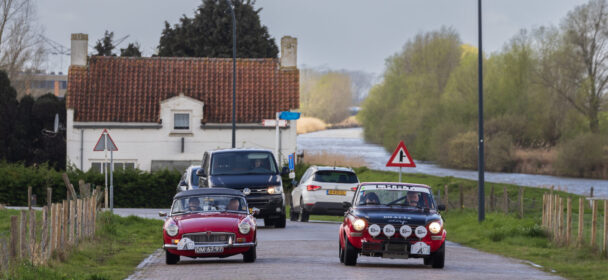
<point x="310" y="251"/>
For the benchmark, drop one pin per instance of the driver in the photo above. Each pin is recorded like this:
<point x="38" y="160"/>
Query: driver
<point x="258" y="164"/>
<point x="371" y="198"/>
<point x="194" y="204"/>
<point x="412" y="198"/>
<point x="233" y="204"/>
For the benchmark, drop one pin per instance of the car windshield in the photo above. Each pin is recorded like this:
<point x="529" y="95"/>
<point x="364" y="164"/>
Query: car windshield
<point x="395" y="195"/>
<point x="332" y="176"/>
<point x="208" y="203"/>
<point x="242" y="162"/>
<point x="194" y="177"/>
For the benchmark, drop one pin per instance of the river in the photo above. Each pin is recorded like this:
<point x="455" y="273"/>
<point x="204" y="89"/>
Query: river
<point x="349" y="141"/>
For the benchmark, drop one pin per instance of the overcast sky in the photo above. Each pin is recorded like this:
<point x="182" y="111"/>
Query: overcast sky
<point x="332" y="34"/>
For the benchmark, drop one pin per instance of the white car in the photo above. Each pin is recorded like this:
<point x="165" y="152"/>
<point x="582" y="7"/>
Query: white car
<point x="323" y="190"/>
<point x="189" y="180"/>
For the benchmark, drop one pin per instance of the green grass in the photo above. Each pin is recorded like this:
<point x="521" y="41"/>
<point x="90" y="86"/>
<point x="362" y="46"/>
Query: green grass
<point x="120" y="245"/>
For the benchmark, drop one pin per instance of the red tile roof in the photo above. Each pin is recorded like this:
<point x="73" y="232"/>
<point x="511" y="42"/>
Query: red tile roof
<point x="121" y="89"/>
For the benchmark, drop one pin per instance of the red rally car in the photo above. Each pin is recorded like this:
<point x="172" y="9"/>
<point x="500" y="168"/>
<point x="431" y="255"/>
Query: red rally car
<point x="393" y="220"/>
<point x="210" y="222"/>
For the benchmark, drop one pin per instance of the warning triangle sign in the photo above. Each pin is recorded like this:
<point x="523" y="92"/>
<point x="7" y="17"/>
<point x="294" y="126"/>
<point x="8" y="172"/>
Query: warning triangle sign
<point x="401" y="157"/>
<point x="104" y="140"/>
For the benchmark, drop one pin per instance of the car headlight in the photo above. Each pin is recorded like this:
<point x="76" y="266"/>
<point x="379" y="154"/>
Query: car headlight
<point x="435" y="227"/>
<point x="275" y="190"/>
<point x="244" y="227"/>
<point x="359" y="225"/>
<point x="172" y="229"/>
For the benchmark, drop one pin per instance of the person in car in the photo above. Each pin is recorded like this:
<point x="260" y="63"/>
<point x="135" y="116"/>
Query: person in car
<point x="371" y="198"/>
<point x="258" y="165"/>
<point x="412" y="199"/>
<point x="233" y="205"/>
<point x="194" y="204"/>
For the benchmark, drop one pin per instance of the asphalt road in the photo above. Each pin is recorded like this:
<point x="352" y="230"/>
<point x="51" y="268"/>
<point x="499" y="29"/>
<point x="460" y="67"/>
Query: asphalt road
<point x="310" y="251"/>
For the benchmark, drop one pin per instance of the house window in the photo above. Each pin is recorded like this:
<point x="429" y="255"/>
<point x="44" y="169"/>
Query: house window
<point x="181" y="121"/>
<point x="100" y="166"/>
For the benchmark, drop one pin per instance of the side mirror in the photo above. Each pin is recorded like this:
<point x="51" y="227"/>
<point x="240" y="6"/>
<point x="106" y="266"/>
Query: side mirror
<point x="441" y="207"/>
<point x="285" y="170"/>
<point x="254" y="211"/>
<point x="162" y="214"/>
<point x="346" y="204"/>
<point x="201" y="172"/>
<point x="182" y="183"/>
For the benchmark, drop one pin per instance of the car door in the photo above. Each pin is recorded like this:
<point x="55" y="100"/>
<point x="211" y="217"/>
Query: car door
<point x="297" y="192"/>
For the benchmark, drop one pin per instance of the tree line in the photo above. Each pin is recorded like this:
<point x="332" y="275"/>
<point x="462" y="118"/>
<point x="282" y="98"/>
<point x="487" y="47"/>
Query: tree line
<point x="545" y="90"/>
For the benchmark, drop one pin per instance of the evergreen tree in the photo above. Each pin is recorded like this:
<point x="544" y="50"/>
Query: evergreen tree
<point x="105" y="45"/>
<point x="209" y="32"/>
<point x="133" y="50"/>
<point x="8" y="111"/>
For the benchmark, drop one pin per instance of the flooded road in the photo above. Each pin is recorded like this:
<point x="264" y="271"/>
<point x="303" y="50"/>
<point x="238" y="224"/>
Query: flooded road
<point x="350" y="142"/>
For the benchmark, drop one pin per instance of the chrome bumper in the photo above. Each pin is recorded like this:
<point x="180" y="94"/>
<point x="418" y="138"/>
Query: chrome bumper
<point x="235" y="245"/>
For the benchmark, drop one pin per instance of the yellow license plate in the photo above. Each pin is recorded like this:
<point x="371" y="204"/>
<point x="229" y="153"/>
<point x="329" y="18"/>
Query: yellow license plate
<point x="336" y="192"/>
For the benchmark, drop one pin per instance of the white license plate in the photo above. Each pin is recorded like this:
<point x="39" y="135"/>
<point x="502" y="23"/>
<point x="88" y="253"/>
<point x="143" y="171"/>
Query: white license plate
<point x="209" y="250"/>
<point x="420" y="248"/>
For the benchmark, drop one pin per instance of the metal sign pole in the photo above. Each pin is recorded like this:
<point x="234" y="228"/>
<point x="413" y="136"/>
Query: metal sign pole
<point x="277" y="140"/>
<point x="105" y="163"/>
<point x="399" y="174"/>
<point x="112" y="181"/>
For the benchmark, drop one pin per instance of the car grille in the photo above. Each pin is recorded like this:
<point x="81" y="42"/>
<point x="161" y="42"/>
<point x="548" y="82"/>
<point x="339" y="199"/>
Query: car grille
<point x="210" y="237"/>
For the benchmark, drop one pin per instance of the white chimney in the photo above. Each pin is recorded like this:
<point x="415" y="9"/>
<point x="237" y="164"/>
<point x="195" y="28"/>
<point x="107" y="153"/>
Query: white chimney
<point x="289" y="52"/>
<point x="80" y="46"/>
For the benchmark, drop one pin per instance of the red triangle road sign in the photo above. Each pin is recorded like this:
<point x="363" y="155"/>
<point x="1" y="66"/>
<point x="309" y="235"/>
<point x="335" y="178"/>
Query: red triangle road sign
<point x="401" y="157"/>
<point x="104" y="140"/>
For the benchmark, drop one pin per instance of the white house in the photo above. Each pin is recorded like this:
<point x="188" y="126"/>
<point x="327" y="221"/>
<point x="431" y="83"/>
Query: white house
<point x="164" y="112"/>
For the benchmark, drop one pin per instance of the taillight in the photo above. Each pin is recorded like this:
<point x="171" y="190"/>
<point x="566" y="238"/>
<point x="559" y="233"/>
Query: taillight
<point x="353" y="189"/>
<point x="313" y="188"/>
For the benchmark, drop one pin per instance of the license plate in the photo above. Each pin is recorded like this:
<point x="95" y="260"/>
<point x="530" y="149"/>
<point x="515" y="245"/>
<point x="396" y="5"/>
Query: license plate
<point x="420" y="248"/>
<point x="336" y="192"/>
<point x="208" y="250"/>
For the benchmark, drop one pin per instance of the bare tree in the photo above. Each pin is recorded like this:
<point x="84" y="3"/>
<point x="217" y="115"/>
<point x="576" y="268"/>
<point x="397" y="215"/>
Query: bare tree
<point x="574" y="61"/>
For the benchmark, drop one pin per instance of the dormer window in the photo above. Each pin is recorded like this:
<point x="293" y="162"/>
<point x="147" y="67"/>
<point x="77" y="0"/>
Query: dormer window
<point x="181" y="121"/>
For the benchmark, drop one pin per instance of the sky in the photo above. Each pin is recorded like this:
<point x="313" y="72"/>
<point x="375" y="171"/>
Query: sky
<point x="356" y="35"/>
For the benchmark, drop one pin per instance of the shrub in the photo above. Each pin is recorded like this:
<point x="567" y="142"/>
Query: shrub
<point x="499" y="153"/>
<point x="583" y="156"/>
<point x="462" y="151"/>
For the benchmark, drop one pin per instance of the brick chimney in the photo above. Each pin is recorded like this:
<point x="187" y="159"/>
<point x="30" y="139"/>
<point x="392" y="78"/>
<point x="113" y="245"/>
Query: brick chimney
<point x="80" y="46"/>
<point x="289" y="52"/>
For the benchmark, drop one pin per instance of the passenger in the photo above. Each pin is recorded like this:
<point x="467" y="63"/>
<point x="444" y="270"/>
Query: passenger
<point x="233" y="204"/>
<point x="412" y="198"/>
<point x="194" y="204"/>
<point x="371" y="198"/>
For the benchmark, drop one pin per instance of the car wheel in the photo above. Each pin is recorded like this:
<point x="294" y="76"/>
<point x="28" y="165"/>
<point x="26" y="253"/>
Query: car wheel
<point x="304" y="215"/>
<point x="350" y="253"/>
<point x="340" y="252"/>
<point x="293" y="215"/>
<point x="438" y="258"/>
<point x="171" y="258"/>
<point x="250" y="255"/>
<point x="268" y="222"/>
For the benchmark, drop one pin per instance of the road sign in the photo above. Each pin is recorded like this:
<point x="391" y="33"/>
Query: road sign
<point x="401" y="157"/>
<point x="286" y="115"/>
<point x="101" y="143"/>
<point x="269" y="122"/>
<point x="291" y="162"/>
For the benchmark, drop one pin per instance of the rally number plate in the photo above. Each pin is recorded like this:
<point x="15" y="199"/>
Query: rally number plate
<point x="336" y="192"/>
<point x="208" y="250"/>
<point x="420" y="248"/>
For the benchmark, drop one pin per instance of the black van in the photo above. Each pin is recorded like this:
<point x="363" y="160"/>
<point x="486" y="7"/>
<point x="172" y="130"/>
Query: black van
<point x="254" y="172"/>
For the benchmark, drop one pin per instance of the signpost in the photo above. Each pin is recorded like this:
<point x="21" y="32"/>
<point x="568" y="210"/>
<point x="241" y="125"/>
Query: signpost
<point x="292" y="166"/>
<point x="105" y="143"/>
<point x="401" y="158"/>
<point x="280" y="121"/>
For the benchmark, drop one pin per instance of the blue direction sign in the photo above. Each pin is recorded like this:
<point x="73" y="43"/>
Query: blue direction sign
<point x="286" y="115"/>
<point x="291" y="162"/>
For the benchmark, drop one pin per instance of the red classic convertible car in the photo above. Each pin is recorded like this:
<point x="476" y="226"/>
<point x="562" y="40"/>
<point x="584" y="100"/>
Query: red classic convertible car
<point x="210" y="222"/>
<point x="393" y="220"/>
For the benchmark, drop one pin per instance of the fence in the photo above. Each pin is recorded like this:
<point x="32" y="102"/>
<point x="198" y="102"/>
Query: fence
<point x="503" y="201"/>
<point x="64" y="224"/>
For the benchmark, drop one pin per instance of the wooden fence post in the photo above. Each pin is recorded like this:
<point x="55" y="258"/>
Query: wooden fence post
<point x="79" y="221"/>
<point x="68" y="185"/>
<point x="560" y="223"/>
<point x="605" y="249"/>
<point x="569" y="222"/>
<point x="44" y="241"/>
<point x="105" y="190"/>
<point x="505" y="200"/>
<point x="581" y="213"/>
<point x="461" y="190"/>
<point x="29" y="198"/>
<point x="49" y="197"/>
<point x="14" y="243"/>
<point x="521" y="202"/>
<point x="32" y="234"/>
<point x="65" y="222"/>
<point x="71" y="221"/>
<point x="594" y="224"/>
<point x="22" y="234"/>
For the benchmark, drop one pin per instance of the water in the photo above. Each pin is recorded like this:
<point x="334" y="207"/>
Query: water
<point x="350" y="142"/>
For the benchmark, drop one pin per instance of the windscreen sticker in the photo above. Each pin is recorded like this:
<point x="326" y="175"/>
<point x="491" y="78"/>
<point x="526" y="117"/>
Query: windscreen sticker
<point x="395" y="188"/>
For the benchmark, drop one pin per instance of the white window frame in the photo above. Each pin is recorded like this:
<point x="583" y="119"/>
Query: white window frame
<point x="121" y="161"/>
<point x="182" y="130"/>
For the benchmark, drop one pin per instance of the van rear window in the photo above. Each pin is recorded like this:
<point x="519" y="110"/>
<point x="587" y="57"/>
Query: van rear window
<point x="331" y="176"/>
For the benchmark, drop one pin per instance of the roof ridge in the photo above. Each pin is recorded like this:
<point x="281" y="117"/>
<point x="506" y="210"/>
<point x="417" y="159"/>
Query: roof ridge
<point x="96" y="57"/>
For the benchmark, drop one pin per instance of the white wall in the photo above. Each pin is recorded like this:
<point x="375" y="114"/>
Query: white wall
<point x="142" y="145"/>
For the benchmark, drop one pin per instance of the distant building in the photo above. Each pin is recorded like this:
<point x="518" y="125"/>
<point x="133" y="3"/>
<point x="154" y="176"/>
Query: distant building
<point x="38" y="84"/>
<point x="164" y="112"/>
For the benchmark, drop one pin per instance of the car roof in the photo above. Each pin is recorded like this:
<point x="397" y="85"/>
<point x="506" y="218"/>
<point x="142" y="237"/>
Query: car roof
<point x="394" y="183"/>
<point x="209" y="191"/>
<point x="239" y="150"/>
<point x="337" y="168"/>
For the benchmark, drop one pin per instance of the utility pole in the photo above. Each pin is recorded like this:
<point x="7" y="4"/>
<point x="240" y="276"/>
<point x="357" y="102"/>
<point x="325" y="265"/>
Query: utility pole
<point x="480" y="162"/>
<point x="233" y="73"/>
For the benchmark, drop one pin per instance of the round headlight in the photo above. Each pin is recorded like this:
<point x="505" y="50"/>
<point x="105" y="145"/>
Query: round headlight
<point x="420" y="232"/>
<point x="388" y="230"/>
<point x="374" y="230"/>
<point x="172" y="230"/>
<point x="359" y="225"/>
<point x="435" y="227"/>
<point x="405" y="231"/>
<point x="244" y="227"/>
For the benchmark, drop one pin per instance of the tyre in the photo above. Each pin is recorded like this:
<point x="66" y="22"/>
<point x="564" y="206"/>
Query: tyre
<point x="268" y="222"/>
<point x="280" y="222"/>
<point x="438" y="258"/>
<point x="304" y="215"/>
<point x="350" y="253"/>
<point x="340" y="252"/>
<point x="250" y="255"/>
<point x="171" y="258"/>
<point x="293" y="215"/>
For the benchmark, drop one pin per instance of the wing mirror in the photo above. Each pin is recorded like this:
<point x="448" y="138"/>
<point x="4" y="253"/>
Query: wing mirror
<point x="201" y="172"/>
<point x="162" y="214"/>
<point x="346" y="204"/>
<point x="254" y="211"/>
<point x="441" y="207"/>
<point x="182" y="183"/>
